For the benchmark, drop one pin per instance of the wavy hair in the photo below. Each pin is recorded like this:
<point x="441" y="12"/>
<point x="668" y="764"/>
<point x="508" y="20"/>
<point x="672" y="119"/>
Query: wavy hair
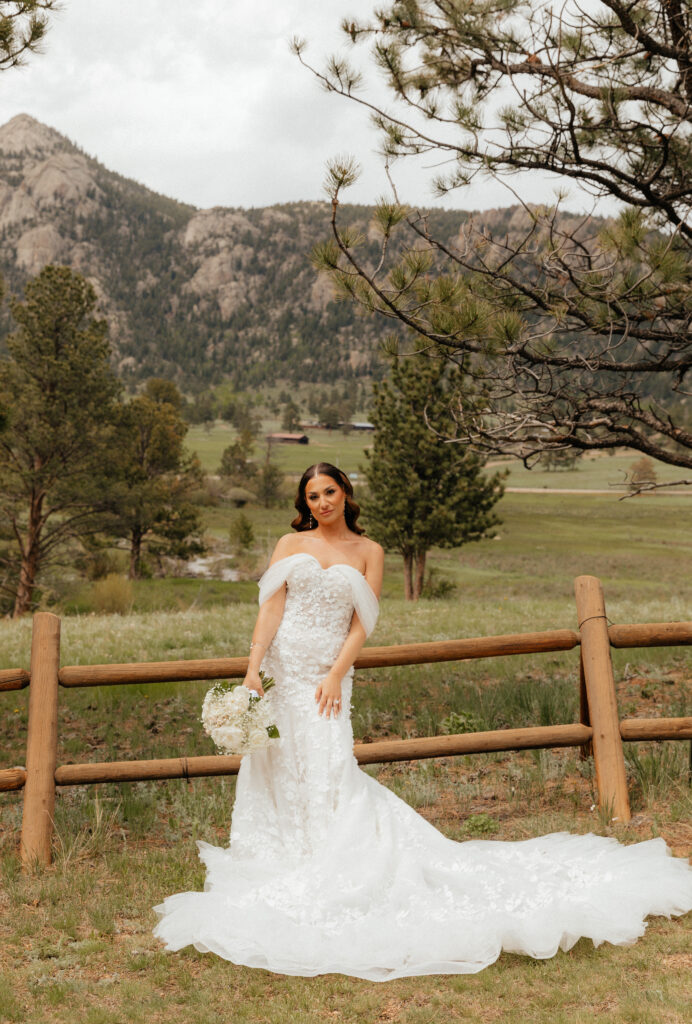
<point x="301" y="522"/>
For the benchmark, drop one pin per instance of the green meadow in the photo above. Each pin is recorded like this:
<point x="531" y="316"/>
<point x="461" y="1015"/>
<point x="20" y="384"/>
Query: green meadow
<point x="593" y="471"/>
<point x="75" y="939"/>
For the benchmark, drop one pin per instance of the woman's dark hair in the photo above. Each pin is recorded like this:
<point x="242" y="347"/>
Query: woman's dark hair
<point x="302" y="521"/>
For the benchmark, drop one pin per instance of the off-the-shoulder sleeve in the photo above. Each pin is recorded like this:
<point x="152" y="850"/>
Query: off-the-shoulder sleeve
<point x="366" y="604"/>
<point x="276" y="575"/>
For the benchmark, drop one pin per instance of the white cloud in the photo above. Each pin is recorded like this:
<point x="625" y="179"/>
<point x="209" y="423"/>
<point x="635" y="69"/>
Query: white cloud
<point x="206" y="103"/>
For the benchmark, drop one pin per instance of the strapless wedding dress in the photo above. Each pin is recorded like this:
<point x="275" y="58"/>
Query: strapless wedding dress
<point x="328" y="871"/>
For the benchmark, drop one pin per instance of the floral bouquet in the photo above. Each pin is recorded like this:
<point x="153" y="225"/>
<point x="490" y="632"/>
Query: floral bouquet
<point x="238" y="719"/>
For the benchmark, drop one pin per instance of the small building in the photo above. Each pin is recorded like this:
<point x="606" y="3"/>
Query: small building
<point x="283" y="438"/>
<point x="362" y="426"/>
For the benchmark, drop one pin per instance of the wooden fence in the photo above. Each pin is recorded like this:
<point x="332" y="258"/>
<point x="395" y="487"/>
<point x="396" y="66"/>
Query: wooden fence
<point x="599" y="730"/>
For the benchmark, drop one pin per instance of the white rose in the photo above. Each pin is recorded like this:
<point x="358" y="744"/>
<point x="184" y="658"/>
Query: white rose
<point x="257" y="739"/>
<point x="210" y="719"/>
<point x="239" y="697"/>
<point x="228" y="738"/>
<point x="212" y="709"/>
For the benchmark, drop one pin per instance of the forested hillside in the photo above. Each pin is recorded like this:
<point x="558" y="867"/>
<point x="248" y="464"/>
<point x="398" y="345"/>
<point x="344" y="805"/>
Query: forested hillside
<point x="190" y="294"/>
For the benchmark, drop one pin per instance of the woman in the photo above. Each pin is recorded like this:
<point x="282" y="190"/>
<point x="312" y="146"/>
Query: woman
<point x="328" y="871"/>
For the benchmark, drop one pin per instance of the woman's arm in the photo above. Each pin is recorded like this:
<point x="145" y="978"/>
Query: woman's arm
<point x="329" y="690"/>
<point x="267" y="623"/>
<point x="268" y="619"/>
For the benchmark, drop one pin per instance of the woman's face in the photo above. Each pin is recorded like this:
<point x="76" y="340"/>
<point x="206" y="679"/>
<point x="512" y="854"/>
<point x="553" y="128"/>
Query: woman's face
<point x="325" y="499"/>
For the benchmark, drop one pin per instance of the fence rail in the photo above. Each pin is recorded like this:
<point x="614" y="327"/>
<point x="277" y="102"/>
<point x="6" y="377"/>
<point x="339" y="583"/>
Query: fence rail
<point x="600" y="730"/>
<point x="632" y="729"/>
<point x="12" y="778"/>
<point x="651" y="634"/>
<point x="372" y="657"/>
<point x="13" y="679"/>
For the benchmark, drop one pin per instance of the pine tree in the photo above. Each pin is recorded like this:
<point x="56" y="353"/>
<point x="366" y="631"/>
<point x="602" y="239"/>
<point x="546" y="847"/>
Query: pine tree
<point x="423" y="492"/>
<point x="56" y="451"/>
<point x="150" y="501"/>
<point x="269" y="481"/>
<point x="236" y="461"/>
<point x="23" y="25"/>
<point x="241" y="534"/>
<point x="579" y="329"/>
<point x="291" y="417"/>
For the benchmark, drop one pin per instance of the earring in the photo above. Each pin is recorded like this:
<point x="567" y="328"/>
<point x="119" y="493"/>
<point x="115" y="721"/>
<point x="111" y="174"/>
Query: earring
<point x="312" y="522"/>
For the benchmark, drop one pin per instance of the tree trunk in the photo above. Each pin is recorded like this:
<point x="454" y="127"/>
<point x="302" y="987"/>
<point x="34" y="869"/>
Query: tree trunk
<point x="135" y="554"/>
<point x="408" y="576"/>
<point x="420" y="574"/>
<point x="26" y="584"/>
<point x="29" y="566"/>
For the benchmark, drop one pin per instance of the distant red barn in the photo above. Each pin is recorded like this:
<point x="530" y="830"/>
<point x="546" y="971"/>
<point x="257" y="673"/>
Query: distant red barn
<point x="281" y="438"/>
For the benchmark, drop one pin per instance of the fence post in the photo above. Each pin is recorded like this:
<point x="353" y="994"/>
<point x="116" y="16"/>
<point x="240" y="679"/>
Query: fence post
<point x="609" y="759"/>
<point x="42" y="741"/>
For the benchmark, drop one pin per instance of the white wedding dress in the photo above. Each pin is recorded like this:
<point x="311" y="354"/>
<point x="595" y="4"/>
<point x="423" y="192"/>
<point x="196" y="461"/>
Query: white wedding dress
<point x="328" y="871"/>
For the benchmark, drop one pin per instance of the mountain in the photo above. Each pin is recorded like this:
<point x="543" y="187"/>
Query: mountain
<point x="189" y="294"/>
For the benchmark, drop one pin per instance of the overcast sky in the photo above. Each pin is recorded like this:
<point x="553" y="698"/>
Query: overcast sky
<point x="204" y="102"/>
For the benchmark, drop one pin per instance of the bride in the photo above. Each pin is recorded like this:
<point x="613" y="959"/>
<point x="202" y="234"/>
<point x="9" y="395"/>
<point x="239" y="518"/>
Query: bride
<point x="327" y="870"/>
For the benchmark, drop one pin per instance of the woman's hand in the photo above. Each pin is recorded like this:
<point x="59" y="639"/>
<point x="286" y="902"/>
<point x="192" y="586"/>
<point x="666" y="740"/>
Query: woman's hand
<point x="328" y="695"/>
<point x="253" y="682"/>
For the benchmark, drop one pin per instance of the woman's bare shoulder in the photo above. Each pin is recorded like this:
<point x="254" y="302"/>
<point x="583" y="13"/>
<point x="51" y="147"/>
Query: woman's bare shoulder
<point x="371" y="549"/>
<point x="287" y="545"/>
<point x="373" y="556"/>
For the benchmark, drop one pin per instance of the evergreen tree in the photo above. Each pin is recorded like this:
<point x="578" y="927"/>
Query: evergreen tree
<point x="151" y="503"/>
<point x="165" y="392"/>
<point x="241" y="534"/>
<point x="202" y="410"/>
<point x="330" y="416"/>
<point x="269" y="481"/>
<point x="580" y="330"/>
<point x="557" y="459"/>
<point x="236" y="462"/>
<point x="55" y="452"/>
<point x="238" y="410"/>
<point x="23" y="25"/>
<point x="291" y="417"/>
<point x="423" y="492"/>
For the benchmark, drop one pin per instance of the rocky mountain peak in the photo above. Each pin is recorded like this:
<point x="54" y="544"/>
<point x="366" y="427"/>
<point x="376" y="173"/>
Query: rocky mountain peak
<point x="45" y="183"/>
<point x="23" y="135"/>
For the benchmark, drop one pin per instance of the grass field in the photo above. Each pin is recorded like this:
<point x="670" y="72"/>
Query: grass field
<point x="593" y="472"/>
<point x="75" y="940"/>
<point x="343" y="450"/>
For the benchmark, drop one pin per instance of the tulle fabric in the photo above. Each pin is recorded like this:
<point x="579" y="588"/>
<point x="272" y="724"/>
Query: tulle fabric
<point x="328" y="871"/>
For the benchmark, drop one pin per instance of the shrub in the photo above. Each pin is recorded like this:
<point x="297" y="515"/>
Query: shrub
<point x="437" y="586"/>
<point x="642" y="473"/>
<point x="481" y="824"/>
<point x="208" y="495"/>
<point x="560" y="458"/>
<point x="241" y="534"/>
<point x="458" y="722"/>
<point x="114" y="594"/>
<point x="240" y="496"/>
<point x="101" y="563"/>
